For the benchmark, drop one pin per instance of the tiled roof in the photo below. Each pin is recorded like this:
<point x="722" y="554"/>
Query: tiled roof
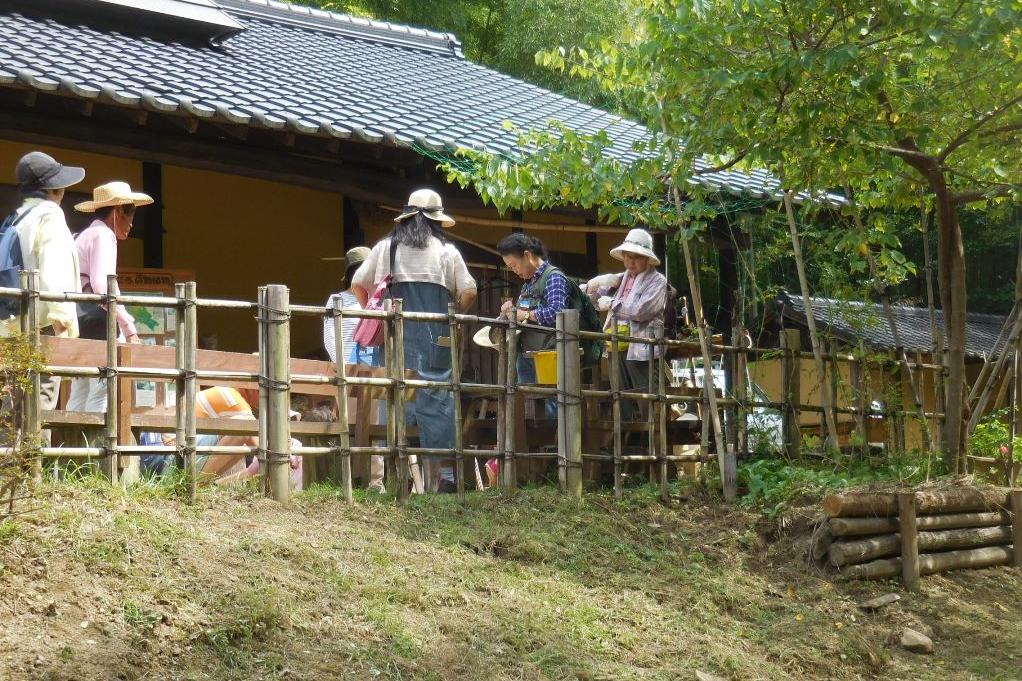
<point x="312" y="72"/>
<point x="854" y="320"/>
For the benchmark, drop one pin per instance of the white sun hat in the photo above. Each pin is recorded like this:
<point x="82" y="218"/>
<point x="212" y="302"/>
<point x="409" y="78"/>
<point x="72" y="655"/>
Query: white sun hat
<point x="484" y="338"/>
<point x="113" y="194"/>
<point x="427" y="202"/>
<point x="638" y="242"/>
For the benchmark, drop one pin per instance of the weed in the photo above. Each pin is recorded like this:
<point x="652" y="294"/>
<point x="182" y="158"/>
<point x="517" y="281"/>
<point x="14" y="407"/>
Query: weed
<point x="136" y="616"/>
<point x="250" y="613"/>
<point x="9" y="531"/>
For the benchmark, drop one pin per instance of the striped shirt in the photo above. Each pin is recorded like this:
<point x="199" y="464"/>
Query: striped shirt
<point x="348" y="324"/>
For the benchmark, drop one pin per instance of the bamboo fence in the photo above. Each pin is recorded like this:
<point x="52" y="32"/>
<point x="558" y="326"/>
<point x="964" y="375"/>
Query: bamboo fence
<point x="273" y="312"/>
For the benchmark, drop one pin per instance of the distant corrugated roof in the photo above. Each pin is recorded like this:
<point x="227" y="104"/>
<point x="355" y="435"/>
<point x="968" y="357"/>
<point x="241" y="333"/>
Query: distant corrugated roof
<point x="853" y="321"/>
<point x="316" y="73"/>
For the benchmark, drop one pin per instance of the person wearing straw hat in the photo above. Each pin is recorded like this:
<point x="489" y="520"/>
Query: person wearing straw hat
<point x="637" y="304"/>
<point x="427" y="273"/>
<point x="46" y="246"/>
<point x="113" y="204"/>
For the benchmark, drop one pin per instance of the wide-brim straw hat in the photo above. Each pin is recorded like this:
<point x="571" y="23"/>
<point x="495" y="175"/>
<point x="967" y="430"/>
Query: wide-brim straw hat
<point x="427" y="202"/>
<point x="638" y="242"/>
<point x="484" y="338"/>
<point x="113" y="194"/>
<point x="355" y="256"/>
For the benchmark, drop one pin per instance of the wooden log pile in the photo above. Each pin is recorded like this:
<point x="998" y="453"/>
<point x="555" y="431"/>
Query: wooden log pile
<point x="923" y="532"/>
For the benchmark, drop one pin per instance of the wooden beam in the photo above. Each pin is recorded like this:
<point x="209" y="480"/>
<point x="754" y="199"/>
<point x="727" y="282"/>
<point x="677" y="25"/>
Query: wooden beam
<point x="520" y="225"/>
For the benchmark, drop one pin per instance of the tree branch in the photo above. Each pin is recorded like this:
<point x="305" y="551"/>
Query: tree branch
<point x="964" y="136"/>
<point x="971" y="195"/>
<point x="723" y="166"/>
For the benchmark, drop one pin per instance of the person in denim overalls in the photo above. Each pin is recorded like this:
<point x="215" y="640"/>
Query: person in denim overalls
<point x="428" y="273"/>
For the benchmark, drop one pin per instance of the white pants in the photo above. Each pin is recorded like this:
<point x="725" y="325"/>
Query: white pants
<point x="87" y="394"/>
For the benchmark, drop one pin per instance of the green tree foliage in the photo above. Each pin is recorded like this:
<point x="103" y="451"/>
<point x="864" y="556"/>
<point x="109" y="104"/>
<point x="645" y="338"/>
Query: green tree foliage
<point x="507" y="34"/>
<point x="890" y="102"/>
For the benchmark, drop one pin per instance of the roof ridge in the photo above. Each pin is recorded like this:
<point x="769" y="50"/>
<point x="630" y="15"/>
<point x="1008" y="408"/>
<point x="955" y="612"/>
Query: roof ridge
<point x="348" y="24"/>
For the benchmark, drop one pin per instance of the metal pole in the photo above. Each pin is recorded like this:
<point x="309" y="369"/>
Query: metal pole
<point x="34" y="401"/>
<point x="398" y="374"/>
<point x="278" y="380"/>
<point x="112" y="462"/>
<point x="344" y="440"/>
<point x="187" y="398"/>
<point x="459" y="459"/>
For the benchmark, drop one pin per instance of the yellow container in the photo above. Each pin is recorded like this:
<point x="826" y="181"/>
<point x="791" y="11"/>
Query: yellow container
<point x="546" y="366"/>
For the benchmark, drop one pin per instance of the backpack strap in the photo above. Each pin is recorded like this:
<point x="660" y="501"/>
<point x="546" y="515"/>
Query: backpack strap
<point x="393" y="253"/>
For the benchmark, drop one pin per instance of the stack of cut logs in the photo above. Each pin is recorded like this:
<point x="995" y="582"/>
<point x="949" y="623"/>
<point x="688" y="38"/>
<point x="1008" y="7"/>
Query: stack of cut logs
<point x="908" y="534"/>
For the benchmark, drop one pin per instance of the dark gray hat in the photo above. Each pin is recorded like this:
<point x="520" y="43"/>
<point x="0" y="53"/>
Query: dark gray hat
<point x="37" y="170"/>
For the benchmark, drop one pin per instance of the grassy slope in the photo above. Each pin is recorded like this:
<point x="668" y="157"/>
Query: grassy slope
<point x="99" y="584"/>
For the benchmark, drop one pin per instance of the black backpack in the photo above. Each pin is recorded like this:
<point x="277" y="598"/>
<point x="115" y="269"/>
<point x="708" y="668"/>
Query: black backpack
<point x="11" y="262"/>
<point x="588" y="316"/>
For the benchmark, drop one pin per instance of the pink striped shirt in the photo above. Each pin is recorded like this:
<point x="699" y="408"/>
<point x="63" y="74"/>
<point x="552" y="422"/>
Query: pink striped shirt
<point x="97" y="258"/>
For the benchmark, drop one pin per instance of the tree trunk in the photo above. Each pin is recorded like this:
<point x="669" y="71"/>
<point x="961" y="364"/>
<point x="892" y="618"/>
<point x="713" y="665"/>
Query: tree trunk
<point x="951" y="280"/>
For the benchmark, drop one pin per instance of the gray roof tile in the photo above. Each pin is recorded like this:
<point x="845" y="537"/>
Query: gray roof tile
<point x="853" y="321"/>
<point x="315" y="73"/>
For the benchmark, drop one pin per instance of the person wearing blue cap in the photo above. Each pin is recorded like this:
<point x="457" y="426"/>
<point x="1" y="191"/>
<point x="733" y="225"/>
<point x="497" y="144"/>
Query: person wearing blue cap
<point x="46" y="246"/>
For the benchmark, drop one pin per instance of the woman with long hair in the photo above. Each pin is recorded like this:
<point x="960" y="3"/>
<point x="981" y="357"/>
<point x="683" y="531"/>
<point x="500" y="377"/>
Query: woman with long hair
<point x="426" y="272"/>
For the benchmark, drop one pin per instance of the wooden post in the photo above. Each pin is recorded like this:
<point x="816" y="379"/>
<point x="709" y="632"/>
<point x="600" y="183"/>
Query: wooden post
<point x="1015" y="496"/>
<point x="344" y="438"/>
<point x="33" y="398"/>
<point x="791" y="342"/>
<point x="111" y="462"/>
<point x="650" y="408"/>
<point x="188" y="342"/>
<point x="502" y="379"/>
<point x="510" y="468"/>
<point x="278" y="380"/>
<point x="663" y="408"/>
<point x="569" y="402"/>
<point x="397" y="366"/>
<point x="615" y="396"/>
<point x="459" y="444"/>
<point x="909" y="540"/>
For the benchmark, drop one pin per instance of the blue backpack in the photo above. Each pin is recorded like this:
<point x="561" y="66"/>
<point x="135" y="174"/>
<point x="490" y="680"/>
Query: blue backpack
<point x="11" y="262"/>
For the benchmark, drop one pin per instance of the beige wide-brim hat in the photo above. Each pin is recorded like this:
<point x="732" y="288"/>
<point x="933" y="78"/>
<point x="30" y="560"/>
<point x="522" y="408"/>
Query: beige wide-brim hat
<point x="427" y="202"/>
<point x="113" y="194"/>
<point x="638" y="242"/>
<point x="484" y="338"/>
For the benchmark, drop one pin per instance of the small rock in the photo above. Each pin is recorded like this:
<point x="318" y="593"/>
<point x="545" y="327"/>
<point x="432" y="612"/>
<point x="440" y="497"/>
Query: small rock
<point x="38" y="660"/>
<point x="914" y="642"/>
<point x="705" y="676"/>
<point x="879" y="602"/>
<point x="51" y="609"/>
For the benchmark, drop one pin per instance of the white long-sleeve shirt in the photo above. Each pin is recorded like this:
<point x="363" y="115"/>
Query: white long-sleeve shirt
<point x="47" y="246"/>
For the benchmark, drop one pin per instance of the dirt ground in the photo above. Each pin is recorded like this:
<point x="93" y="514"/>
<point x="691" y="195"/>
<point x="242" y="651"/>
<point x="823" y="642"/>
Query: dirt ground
<point x="98" y="583"/>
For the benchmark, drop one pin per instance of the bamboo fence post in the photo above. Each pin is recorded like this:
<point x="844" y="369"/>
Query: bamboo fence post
<point x="909" y="540"/>
<point x="814" y="339"/>
<point x="187" y="396"/>
<point x="398" y="376"/>
<point x="1015" y="497"/>
<point x="111" y="462"/>
<point x="459" y="445"/>
<point x="615" y="392"/>
<point x="502" y="379"/>
<point x="741" y="393"/>
<point x="278" y="421"/>
<point x="662" y="408"/>
<point x="510" y="468"/>
<point x="180" y="402"/>
<point x="650" y="413"/>
<point x="791" y="342"/>
<point x="263" y="391"/>
<point x="33" y="403"/>
<point x="569" y="402"/>
<point x="858" y="370"/>
<point x="344" y="437"/>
